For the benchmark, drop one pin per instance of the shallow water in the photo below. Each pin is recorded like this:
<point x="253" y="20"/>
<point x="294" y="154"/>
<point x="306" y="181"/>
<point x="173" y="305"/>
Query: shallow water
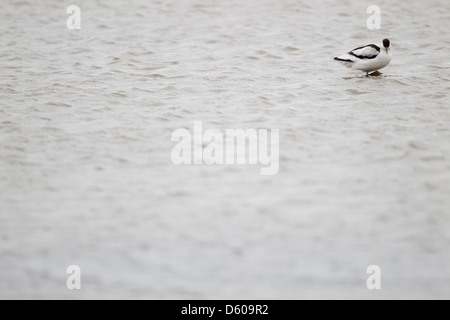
<point x="86" y="119"/>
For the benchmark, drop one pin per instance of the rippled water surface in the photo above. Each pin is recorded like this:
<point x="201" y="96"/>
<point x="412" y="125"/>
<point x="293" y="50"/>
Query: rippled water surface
<point x="85" y="141"/>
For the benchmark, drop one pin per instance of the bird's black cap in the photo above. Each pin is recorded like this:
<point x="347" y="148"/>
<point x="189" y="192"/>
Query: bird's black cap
<point x="386" y="43"/>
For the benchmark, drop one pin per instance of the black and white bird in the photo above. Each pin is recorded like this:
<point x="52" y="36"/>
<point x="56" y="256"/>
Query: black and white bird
<point x="368" y="58"/>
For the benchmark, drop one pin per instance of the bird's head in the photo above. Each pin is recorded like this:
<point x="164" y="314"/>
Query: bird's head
<point x="387" y="45"/>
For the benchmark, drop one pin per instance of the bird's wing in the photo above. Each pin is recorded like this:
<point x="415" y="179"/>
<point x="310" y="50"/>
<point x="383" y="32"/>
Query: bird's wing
<point x="368" y="52"/>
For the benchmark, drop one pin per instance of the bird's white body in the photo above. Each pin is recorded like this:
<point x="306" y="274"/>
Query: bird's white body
<point x="368" y="58"/>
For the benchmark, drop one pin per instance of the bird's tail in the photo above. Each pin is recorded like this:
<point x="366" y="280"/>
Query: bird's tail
<point x="345" y="60"/>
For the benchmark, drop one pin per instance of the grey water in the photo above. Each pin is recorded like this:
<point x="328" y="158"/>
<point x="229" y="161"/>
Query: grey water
<point x="86" y="176"/>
